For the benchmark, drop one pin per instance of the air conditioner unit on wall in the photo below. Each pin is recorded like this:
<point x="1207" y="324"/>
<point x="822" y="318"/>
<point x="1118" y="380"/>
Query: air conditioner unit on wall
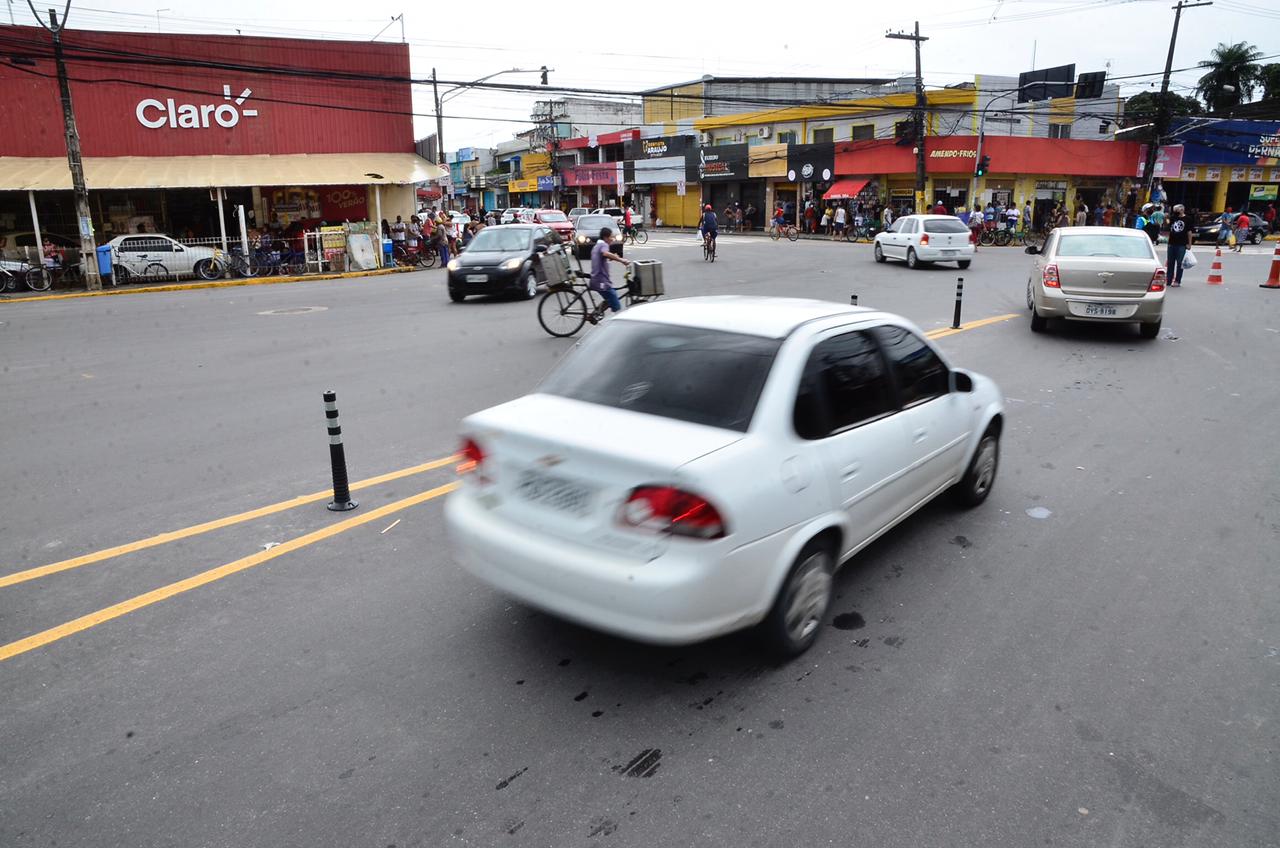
<point x="765" y="132"/>
<point x="705" y="138"/>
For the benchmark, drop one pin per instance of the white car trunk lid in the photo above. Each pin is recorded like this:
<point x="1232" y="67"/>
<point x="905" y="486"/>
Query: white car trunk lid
<point x="1107" y="276"/>
<point x="565" y="467"/>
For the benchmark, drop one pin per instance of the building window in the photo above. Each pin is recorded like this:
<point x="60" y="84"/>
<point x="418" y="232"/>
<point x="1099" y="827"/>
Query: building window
<point x="1059" y="131"/>
<point x="788" y="137"/>
<point x="864" y="132"/>
<point x="824" y="136"/>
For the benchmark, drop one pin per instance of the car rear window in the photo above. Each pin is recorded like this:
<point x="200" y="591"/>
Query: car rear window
<point x="1088" y="244"/>
<point x="690" y="374"/>
<point x="944" y="225"/>
<point x="551" y="217"/>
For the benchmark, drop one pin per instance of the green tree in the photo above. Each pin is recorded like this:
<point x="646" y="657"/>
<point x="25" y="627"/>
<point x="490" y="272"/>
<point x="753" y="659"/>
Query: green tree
<point x="1232" y="76"/>
<point x="1141" y="108"/>
<point x="1269" y="76"/>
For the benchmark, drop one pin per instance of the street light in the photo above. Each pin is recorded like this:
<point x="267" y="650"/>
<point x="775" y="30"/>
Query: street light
<point x="458" y="89"/>
<point x="982" y="128"/>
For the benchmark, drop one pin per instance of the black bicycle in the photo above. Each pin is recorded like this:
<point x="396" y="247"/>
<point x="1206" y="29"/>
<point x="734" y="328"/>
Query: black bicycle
<point x="567" y="306"/>
<point x="636" y="235"/>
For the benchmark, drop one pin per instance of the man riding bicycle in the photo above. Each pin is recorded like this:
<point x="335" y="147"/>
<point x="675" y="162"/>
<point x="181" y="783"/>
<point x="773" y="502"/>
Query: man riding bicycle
<point x="709" y="226"/>
<point x="600" y="283"/>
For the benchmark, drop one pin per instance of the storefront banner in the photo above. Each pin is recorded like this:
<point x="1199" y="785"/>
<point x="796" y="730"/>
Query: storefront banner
<point x="1212" y="174"/>
<point x="1229" y="142"/>
<point x="724" y="162"/>
<point x="1237" y="174"/>
<point x="1255" y="174"/>
<point x="657" y="148"/>
<point x="522" y="186"/>
<point x="809" y="163"/>
<point x="344" y="203"/>
<point x="1009" y="155"/>
<point x="1263" y="192"/>
<point x="1189" y="173"/>
<point x="1275" y="175"/>
<point x="668" y="170"/>
<point x="605" y="173"/>
<point x="546" y="183"/>
<point x="1168" y="160"/>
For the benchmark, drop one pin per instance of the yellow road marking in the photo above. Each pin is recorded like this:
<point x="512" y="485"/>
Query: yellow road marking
<point x="155" y="596"/>
<point x="216" y="524"/>
<point x="972" y="325"/>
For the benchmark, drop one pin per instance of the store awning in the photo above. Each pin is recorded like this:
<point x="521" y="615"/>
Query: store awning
<point x="845" y="189"/>
<point x="290" y="169"/>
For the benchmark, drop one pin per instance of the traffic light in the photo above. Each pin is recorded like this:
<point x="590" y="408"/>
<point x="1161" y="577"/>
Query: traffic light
<point x="544" y="74"/>
<point x="984" y="165"/>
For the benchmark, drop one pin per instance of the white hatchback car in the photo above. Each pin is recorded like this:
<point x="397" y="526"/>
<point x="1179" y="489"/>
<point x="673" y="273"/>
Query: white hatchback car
<point x="926" y="238"/>
<point x="698" y="466"/>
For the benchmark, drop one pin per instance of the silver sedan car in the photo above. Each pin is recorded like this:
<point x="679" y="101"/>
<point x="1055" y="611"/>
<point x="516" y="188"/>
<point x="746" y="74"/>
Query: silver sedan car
<point x="1102" y="274"/>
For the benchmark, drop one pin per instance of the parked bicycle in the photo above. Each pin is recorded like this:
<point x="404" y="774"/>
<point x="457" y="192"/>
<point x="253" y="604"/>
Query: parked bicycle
<point x="422" y="256"/>
<point x="565" y="307"/>
<point x="855" y="233"/>
<point x="222" y="261"/>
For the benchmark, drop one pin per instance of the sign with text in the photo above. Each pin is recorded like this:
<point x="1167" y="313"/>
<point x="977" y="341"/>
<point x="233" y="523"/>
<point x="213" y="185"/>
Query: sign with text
<point x="523" y="186"/>
<point x="1262" y="192"/>
<point x="811" y="163"/>
<point x="1168" y="161"/>
<point x="723" y="162"/>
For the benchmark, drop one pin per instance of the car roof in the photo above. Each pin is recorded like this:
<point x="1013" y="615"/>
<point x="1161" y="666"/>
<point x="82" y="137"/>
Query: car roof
<point x="771" y="317"/>
<point x="947" y="217"/>
<point x="519" y="225"/>
<point x="1104" y="231"/>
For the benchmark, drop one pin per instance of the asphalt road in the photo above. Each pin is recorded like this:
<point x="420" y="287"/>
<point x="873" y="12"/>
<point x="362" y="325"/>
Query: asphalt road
<point x="1091" y="658"/>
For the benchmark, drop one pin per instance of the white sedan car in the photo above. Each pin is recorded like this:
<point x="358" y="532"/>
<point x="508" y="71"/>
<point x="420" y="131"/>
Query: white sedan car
<point x="703" y="465"/>
<point x="156" y="256"/>
<point x="926" y="238"/>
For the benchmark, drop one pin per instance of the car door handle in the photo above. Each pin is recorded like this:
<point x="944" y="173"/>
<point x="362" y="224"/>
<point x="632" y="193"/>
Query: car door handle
<point x="919" y="435"/>
<point x="850" y="470"/>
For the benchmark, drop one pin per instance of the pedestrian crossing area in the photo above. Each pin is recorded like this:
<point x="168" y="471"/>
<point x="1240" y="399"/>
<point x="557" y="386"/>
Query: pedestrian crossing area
<point x="689" y="240"/>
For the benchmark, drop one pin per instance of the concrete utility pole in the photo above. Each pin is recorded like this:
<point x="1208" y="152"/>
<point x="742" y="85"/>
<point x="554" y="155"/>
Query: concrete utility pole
<point x="88" y="250"/>
<point x="435" y="92"/>
<point x="919" y="115"/>
<point x="1162" y="105"/>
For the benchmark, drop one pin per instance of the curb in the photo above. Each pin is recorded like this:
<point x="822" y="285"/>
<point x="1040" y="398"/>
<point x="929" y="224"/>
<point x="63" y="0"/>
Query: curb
<point x="215" y="284"/>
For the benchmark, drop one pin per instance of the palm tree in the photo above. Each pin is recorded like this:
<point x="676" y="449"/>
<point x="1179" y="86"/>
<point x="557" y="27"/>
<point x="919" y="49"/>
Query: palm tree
<point x="1232" y="76"/>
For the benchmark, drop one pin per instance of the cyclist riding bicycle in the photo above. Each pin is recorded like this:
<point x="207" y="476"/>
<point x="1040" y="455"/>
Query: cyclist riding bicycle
<point x="600" y="283"/>
<point x="628" y="230"/>
<point x="709" y="226"/>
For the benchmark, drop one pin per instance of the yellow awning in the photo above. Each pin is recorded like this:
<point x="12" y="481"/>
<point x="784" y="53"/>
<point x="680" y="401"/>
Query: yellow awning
<point x="291" y="169"/>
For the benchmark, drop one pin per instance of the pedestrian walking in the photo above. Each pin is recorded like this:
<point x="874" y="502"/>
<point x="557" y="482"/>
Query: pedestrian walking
<point x="1270" y="217"/>
<point x="1180" y="236"/>
<point x="1243" y="226"/>
<point x="1226" y="221"/>
<point x="1082" y="215"/>
<point x="841" y="218"/>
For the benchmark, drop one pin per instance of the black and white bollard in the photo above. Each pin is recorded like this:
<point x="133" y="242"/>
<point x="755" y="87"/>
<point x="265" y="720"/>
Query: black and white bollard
<point x="337" y="457"/>
<point x="955" y="321"/>
<point x="853" y="300"/>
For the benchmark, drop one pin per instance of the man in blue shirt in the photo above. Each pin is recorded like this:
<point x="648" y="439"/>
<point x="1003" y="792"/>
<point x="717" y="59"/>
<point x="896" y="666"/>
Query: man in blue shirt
<point x="709" y="226"/>
<point x="600" y="283"/>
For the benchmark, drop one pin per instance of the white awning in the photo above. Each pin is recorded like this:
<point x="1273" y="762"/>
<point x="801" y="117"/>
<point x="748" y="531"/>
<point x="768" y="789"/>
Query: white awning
<point x="291" y="169"/>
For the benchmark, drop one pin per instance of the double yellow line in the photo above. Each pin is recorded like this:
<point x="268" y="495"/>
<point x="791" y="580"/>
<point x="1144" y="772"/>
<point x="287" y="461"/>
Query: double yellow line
<point x="93" y="619"/>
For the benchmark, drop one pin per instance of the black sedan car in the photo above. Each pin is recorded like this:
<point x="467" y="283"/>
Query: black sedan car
<point x="1207" y="231"/>
<point x="499" y="260"/>
<point x="587" y="233"/>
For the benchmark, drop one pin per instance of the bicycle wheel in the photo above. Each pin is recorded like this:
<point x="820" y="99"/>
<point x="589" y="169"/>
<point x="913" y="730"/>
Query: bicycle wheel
<point x="706" y="250"/>
<point x="793" y="234"/>
<point x="986" y="239"/>
<point x="640" y="237"/>
<point x="562" y="313"/>
<point x="155" y="272"/>
<point x="774" y="233"/>
<point x="713" y="250"/>
<point x="426" y="258"/>
<point x="39" y="279"/>
<point x="1003" y="238"/>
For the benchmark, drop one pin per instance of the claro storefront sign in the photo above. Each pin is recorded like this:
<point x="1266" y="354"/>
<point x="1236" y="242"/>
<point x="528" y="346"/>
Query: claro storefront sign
<point x="157" y="114"/>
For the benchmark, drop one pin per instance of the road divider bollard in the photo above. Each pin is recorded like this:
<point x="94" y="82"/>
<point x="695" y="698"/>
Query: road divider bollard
<point x="955" y="320"/>
<point x="1273" y="281"/>
<point x="853" y="300"/>
<point x="337" y="457"/>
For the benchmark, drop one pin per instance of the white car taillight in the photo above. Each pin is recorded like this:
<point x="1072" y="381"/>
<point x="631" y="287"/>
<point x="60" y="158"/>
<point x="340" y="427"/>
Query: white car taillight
<point x="666" y="509"/>
<point x="1157" y="281"/>
<point x="924" y="239"/>
<point x="1050" y="277"/>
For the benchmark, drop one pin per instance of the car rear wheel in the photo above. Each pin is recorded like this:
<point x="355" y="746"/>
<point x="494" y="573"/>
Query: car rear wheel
<point x="879" y="253"/>
<point x="912" y="261"/>
<point x="793" y="623"/>
<point x="1149" y="331"/>
<point x="964" y="263"/>
<point x="1038" y="322"/>
<point x="978" y="478"/>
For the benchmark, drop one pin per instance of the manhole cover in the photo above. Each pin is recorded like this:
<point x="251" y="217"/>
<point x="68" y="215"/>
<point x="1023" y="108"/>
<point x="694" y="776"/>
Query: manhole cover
<point x="294" y="310"/>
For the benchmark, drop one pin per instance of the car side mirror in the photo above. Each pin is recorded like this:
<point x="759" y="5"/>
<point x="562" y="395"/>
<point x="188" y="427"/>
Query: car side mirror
<point x="1032" y="249"/>
<point x="177" y="248"/>
<point x="961" y="382"/>
<point x="539" y="248"/>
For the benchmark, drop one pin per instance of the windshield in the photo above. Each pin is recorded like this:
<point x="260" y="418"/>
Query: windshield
<point x="497" y="239"/>
<point x="1124" y="247"/>
<point x="592" y="224"/>
<point x="552" y="217"/>
<point x="944" y="225"/>
<point x="690" y="374"/>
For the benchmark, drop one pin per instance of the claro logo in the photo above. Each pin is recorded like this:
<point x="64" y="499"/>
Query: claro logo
<point x="157" y="114"/>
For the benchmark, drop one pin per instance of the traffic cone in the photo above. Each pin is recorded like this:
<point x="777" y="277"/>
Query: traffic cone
<point x="1215" y="270"/>
<point x="1273" y="282"/>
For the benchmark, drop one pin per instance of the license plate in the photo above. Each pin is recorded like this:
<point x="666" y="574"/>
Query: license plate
<point x="949" y="253"/>
<point x="477" y="278"/>
<point x="554" y="492"/>
<point x="1100" y="310"/>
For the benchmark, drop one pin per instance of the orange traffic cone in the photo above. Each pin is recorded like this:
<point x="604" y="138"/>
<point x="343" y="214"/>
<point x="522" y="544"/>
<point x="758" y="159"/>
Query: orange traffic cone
<point x="1273" y="282"/>
<point x="1215" y="270"/>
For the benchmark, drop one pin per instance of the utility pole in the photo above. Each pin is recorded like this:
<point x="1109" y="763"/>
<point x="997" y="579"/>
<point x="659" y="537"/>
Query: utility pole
<point x="435" y="91"/>
<point x="919" y="114"/>
<point x="88" y="250"/>
<point x="1162" y="105"/>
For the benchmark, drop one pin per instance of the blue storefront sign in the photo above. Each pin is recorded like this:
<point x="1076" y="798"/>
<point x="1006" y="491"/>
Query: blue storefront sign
<point x="1227" y="142"/>
<point x="546" y="183"/>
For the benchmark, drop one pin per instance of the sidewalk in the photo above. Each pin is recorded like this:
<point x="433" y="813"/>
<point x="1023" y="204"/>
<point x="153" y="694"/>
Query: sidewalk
<point x="141" y="288"/>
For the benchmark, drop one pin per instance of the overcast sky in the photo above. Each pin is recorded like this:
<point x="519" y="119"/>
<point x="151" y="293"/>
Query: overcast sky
<point x="629" y="46"/>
